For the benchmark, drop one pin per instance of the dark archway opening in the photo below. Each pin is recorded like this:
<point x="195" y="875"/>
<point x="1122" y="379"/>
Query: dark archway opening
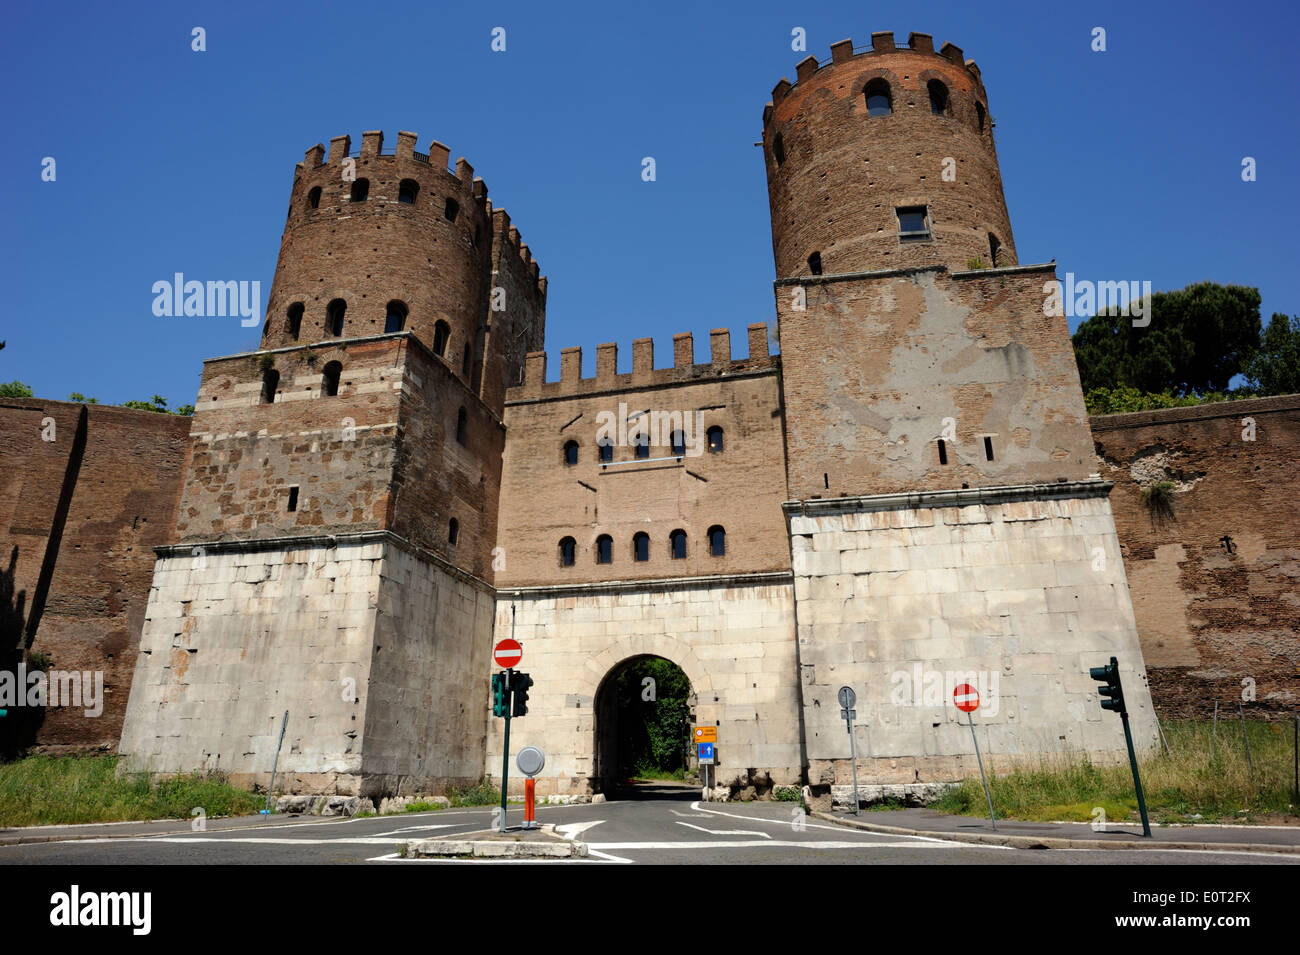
<point x="644" y="708"/>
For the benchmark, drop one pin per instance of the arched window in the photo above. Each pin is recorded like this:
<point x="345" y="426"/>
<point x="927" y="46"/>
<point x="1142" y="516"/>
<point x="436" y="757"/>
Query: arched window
<point x="778" y="150"/>
<point x="451" y="210"/>
<point x="641" y="547"/>
<point x="679" y="443"/>
<point x="360" y="190"/>
<point x="879" y="101"/>
<point x="938" y="97"/>
<point x="567" y="550"/>
<point x="604" y="549"/>
<point x="714" y="435"/>
<point x="313" y="198"/>
<point x="464" y="362"/>
<point x="329" y="381"/>
<point x="270" y="382"/>
<point x="462" y="426"/>
<point x="453" y="530"/>
<point x="717" y="541"/>
<point x="677" y="544"/>
<point x="979" y="116"/>
<point x="570" y="453"/>
<point x="293" y="320"/>
<point x="995" y="247"/>
<point x="642" y="445"/>
<point x="396" y="318"/>
<point x="441" y="335"/>
<point x="407" y="191"/>
<point x="605" y="450"/>
<point x="334" y="312"/>
<point x="815" y="263"/>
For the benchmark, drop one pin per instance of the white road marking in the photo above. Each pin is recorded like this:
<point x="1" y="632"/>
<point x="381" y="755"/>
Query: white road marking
<point x="572" y="830"/>
<point x="814" y="825"/>
<point x="444" y="825"/>
<point x="693" y="815"/>
<point x="726" y="832"/>
<point x="264" y="840"/>
<point x="602" y="846"/>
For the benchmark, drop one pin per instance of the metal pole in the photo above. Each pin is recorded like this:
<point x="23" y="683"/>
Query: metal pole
<point x="1249" y="762"/>
<point x="1137" y="780"/>
<point x="276" y="765"/>
<point x="853" y="755"/>
<point x="505" y="753"/>
<point x="980" y="760"/>
<point x="1161" y="728"/>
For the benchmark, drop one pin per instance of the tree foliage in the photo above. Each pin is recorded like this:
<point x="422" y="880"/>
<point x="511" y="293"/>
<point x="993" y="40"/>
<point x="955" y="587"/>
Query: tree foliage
<point x="1275" y="368"/>
<point x="1197" y="340"/>
<point x="15" y="389"/>
<point x="654" y="719"/>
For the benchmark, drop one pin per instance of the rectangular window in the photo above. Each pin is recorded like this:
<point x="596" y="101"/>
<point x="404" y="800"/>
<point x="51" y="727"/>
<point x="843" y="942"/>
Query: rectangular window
<point x="293" y="498"/>
<point x="988" y="448"/>
<point x="913" y="224"/>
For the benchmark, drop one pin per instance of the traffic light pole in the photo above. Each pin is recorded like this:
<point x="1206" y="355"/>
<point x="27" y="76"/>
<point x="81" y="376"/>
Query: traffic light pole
<point x="1137" y="780"/>
<point x="505" y="754"/>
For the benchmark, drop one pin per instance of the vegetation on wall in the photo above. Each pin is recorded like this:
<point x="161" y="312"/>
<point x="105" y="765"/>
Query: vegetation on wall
<point x="18" y="389"/>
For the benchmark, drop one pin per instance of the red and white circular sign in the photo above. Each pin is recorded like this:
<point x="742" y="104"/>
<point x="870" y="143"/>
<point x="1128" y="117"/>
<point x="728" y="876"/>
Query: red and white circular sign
<point x="507" y="653"/>
<point x="966" y="697"/>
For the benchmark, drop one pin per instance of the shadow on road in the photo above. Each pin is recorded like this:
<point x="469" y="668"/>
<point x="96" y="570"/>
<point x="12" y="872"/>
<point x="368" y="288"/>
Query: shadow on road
<point x="652" y="789"/>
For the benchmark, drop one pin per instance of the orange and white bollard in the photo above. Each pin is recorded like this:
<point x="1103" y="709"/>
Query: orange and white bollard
<point x="530" y="803"/>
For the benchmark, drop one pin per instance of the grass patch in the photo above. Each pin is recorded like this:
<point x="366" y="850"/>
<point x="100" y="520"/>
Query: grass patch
<point x="65" y="790"/>
<point x="651" y="772"/>
<point x="481" y="794"/>
<point x="1201" y="779"/>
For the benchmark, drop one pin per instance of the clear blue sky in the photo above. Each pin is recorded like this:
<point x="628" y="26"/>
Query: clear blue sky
<point x="1120" y="165"/>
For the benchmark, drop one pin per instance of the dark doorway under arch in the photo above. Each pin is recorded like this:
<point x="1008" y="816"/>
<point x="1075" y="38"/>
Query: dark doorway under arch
<point x="643" y="709"/>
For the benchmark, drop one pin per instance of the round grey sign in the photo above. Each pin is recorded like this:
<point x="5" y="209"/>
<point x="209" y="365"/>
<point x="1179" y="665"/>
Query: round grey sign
<point x="847" y="697"/>
<point x="530" y="760"/>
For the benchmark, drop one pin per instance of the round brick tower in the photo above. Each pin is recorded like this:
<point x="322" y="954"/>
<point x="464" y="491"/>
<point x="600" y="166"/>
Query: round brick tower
<point x="884" y="159"/>
<point x="392" y="242"/>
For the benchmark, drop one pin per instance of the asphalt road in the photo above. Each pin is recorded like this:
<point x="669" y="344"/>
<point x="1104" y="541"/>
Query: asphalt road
<point x="661" y="826"/>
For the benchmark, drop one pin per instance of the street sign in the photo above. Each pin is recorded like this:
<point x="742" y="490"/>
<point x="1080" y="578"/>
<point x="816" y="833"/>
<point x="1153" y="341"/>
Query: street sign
<point x="966" y="697"/>
<point x="706" y="754"/>
<point x="530" y="760"/>
<point x="508" y="653"/>
<point x="847" y="697"/>
<point x="706" y="734"/>
<point x="848" y="714"/>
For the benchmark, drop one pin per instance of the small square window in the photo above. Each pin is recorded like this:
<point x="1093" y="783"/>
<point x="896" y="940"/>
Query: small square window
<point x="913" y="224"/>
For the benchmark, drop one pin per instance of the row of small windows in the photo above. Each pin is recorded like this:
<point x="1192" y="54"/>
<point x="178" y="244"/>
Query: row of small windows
<point x="395" y="317"/>
<point x="717" y="538"/>
<point x="605" y="447"/>
<point x="880" y="102"/>
<point x="943" y="450"/>
<point x="407" y="191"/>
<point x="913" y="226"/>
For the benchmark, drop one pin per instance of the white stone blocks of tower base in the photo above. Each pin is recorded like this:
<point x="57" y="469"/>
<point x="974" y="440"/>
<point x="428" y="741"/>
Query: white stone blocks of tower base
<point x="369" y="645"/>
<point x="1015" y="590"/>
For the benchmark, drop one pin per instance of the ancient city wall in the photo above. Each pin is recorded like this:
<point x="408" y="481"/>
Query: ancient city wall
<point x="733" y="638"/>
<point x="1215" y="576"/>
<point x="104" y="490"/>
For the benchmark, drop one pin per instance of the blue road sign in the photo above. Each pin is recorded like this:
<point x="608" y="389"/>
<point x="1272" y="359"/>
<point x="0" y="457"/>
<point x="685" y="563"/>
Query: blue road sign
<point x="706" y="752"/>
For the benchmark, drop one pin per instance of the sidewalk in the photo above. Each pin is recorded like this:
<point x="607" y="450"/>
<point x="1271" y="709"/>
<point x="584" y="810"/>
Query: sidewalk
<point x="25" y="835"/>
<point x="1071" y="835"/>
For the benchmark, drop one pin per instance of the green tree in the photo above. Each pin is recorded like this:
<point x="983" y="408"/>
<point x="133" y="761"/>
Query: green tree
<point x="654" y="723"/>
<point x="1197" y="340"/>
<point x="15" y="389"/>
<point x="1275" y="368"/>
<point x="78" y="396"/>
<point x="159" y="404"/>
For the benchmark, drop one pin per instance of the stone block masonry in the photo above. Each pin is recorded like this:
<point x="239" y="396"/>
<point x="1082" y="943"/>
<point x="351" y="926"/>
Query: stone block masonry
<point x="1018" y="590"/>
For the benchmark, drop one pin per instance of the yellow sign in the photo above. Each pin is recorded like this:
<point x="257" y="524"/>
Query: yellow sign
<point x="706" y="734"/>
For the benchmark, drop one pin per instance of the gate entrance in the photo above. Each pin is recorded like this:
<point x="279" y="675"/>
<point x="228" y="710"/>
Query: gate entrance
<point x="644" y="710"/>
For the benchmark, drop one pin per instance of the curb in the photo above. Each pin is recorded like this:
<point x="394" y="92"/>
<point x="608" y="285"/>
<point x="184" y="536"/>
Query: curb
<point x="1053" y="842"/>
<point x="20" y="838"/>
<point x="482" y="849"/>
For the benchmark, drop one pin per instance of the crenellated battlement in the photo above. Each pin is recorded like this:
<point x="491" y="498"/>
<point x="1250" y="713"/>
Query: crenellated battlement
<point x="881" y="44"/>
<point x="722" y="364"/>
<point x="372" y="148"/>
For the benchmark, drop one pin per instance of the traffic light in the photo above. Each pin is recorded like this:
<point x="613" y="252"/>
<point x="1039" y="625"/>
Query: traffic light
<point x="1112" y="694"/>
<point x="522" y="682"/>
<point x="500" y="695"/>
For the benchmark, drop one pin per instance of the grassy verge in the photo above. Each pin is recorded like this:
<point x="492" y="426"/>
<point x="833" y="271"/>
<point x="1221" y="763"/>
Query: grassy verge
<point x="1201" y="779"/>
<point x="65" y="790"/>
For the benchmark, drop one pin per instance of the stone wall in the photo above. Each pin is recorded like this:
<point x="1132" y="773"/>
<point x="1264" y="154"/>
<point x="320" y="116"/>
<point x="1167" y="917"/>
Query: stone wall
<point x="1210" y="616"/>
<point x="733" y="638"/>
<point x="1018" y="591"/>
<point x="88" y="505"/>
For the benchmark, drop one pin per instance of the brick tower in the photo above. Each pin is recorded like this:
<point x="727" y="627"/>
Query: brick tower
<point x="946" y="516"/>
<point x="339" y="512"/>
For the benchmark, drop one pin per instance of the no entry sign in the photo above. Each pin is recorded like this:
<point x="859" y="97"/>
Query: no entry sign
<point x="507" y="653"/>
<point x="966" y="697"/>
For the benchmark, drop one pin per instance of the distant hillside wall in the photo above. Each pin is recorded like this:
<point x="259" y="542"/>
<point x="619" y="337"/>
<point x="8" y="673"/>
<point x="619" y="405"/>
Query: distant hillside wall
<point x="1211" y="612"/>
<point x="106" y="490"/>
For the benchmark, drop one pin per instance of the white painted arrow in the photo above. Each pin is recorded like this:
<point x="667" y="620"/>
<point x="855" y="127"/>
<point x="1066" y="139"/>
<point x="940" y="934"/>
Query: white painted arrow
<point x="571" y="830"/>
<point x="726" y="832"/>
